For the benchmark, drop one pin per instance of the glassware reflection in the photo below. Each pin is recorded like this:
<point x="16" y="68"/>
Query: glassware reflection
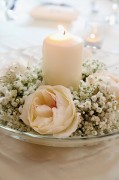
<point x="113" y="18"/>
<point x="93" y="36"/>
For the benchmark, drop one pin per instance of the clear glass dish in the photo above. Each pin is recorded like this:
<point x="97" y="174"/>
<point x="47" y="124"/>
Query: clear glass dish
<point x="31" y="55"/>
<point x="56" y="142"/>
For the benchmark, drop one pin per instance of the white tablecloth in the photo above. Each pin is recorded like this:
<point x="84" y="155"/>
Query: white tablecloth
<point x="21" y="161"/>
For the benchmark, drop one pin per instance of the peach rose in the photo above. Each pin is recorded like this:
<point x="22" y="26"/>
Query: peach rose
<point x="51" y="110"/>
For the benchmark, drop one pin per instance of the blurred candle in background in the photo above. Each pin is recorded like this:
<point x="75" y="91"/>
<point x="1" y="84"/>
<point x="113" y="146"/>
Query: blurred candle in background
<point x="93" y="36"/>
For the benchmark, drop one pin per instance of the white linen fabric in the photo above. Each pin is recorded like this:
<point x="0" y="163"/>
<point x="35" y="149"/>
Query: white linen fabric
<point x="21" y="160"/>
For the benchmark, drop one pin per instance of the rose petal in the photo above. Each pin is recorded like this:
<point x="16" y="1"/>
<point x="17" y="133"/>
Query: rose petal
<point x="25" y="110"/>
<point x="44" y="111"/>
<point x="42" y="125"/>
<point x="72" y="128"/>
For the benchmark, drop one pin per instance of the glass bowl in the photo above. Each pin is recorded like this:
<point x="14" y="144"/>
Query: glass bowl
<point x="56" y="142"/>
<point x="32" y="55"/>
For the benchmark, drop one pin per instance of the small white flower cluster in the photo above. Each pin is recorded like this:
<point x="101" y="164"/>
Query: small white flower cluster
<point x="97" y="107"/>
<point x="92" y="66"/>
<point x="14" y="87"/>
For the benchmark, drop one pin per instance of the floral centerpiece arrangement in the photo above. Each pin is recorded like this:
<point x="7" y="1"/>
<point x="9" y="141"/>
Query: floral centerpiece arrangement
<point x="27" y="104"/>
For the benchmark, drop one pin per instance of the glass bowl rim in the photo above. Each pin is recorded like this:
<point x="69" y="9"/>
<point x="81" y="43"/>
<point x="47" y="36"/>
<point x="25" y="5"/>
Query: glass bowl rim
<point x="50" y="137"/>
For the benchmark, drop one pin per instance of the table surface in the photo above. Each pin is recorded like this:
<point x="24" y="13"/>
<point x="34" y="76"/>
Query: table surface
<point x="21" y="160"/>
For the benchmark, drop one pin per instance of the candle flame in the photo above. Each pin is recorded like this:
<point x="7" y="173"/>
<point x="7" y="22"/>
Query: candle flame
<point x="61" y="29"/>
<point x="92" y="36"/>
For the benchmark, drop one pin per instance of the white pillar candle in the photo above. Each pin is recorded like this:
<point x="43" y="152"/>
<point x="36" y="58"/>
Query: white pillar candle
<point x="62" y="59"/>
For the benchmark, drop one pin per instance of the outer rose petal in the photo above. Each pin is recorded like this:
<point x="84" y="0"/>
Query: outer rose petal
<point x="51" y="110"/>
<point x="25" y="110"/>
<point x="72" y="128"/>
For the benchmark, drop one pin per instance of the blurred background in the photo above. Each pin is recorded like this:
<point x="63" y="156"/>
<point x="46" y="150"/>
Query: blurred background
<point x="25" y="23"/>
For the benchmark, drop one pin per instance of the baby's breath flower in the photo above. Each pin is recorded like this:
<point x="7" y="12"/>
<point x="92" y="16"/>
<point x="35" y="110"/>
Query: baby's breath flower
<point x="92" y="66"/>
<point x="13" y="89"/>
<point x="98" y="108"/>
